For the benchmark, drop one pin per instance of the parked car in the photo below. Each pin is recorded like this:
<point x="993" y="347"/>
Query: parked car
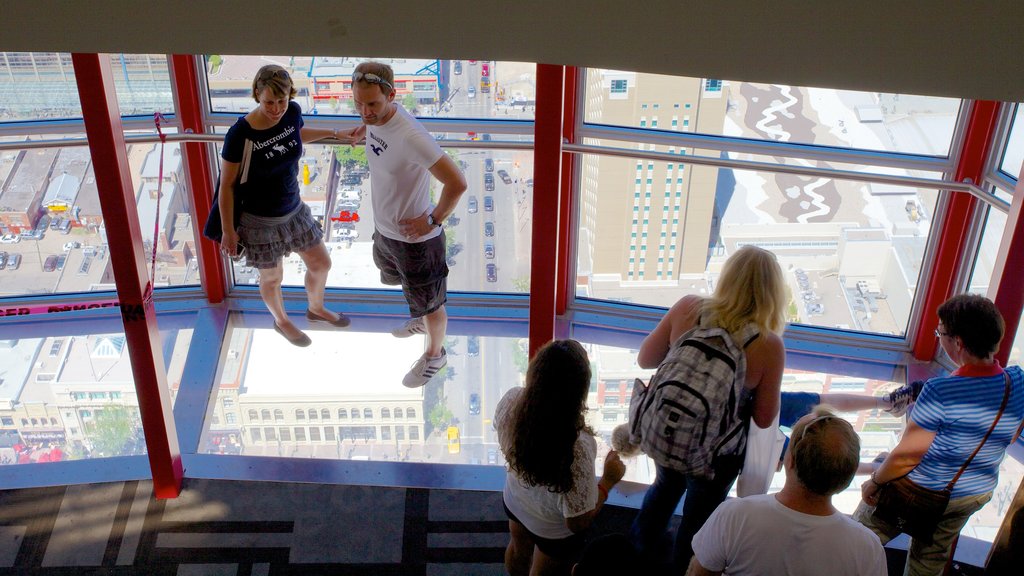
<point x="471" y="92"/>
<point x="13" y="261"/>
<point x="492" y="273"/>
<point x="489" y="165"/>
<point x="488" y="203"/>
<point x="43" y="222"/>
<point x="458" y="67"/>
<point x="353" y="194"/>
<point x="50" y="264"/>
<point x="473" y="346"/>
<point x="3" y="260"/>
<point x="474" y="404"/>
<point x="69" y="246"/>
<point x="10" y="239"/>
<point x="503" y="174"/>
<point x="65" y="227"/>
<point x="55" y="223"/>
<point x="471" y="205"/>
<point x="488" y="182"/>
<point x="488" y="228"/>
<point x="489" y="250"/>
<point x="61" y="259"/>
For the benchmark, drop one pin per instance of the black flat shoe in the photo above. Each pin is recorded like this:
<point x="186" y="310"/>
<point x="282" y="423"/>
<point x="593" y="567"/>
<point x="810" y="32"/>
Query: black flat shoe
<point x="301" y="341"/>
<point x="341" y="322"/>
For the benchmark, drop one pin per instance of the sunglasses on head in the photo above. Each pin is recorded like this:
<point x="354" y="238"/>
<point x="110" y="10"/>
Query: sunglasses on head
<point x="271" y="72"/>
<point x="370" y="78"/>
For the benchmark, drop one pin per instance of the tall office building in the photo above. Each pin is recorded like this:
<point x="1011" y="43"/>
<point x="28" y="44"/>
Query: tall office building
<point x="664" y="210"/>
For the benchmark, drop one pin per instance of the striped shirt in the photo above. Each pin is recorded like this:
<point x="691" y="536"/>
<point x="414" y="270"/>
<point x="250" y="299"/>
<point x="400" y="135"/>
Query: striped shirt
<point x="960" y="409"/>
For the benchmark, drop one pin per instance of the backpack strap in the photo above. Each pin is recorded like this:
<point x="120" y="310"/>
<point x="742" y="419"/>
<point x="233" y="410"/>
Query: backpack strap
<point x="746" y="336"/>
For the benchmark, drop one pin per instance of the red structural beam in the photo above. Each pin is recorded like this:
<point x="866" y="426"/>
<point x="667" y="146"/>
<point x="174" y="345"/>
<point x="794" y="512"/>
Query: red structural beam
<point x="955" y="225"/>
<point x="134" y="288"/>
<point x="1006" y="277"/>
<point x="566" y="284"/>
<point x="197" y="161"/>
<point x="547" y="163"/>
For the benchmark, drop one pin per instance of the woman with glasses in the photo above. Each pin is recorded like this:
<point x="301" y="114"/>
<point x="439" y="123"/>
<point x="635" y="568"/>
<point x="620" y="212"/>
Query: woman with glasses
<point x="751" y="292"/>
<point x="949" y="421"/>
<point x="550" y="495"/>
<point x="260" y="164"/>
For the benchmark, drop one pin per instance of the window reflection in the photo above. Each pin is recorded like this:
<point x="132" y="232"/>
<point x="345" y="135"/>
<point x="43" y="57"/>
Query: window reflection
<point x="489" y="235"/>
<point x="1013" y="155"/>
<point x="73" y="397"/>
<point x="425" y="87"/>
<point x="988" y="251"/>
<point x="773" y="112"/>
<point x="653" y="231"/>
<point x="52" y="230"/>
<point x="41" y="85"/>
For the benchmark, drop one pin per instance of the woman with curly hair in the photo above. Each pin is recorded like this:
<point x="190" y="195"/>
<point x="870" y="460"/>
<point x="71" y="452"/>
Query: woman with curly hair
<point x="550" y="494"/>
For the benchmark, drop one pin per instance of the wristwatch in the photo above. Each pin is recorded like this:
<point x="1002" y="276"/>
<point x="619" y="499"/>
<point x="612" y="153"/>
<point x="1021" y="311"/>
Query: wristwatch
<point x="431" y="221"/>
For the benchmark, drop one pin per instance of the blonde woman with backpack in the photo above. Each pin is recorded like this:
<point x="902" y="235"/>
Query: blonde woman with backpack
<point x="750" y="299"/>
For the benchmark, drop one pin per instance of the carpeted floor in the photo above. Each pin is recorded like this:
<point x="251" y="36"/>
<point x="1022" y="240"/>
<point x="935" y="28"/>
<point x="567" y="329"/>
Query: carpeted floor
<point x="257" y="528"/>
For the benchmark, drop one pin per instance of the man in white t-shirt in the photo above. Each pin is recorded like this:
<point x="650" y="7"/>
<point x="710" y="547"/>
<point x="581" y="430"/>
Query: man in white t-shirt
<point x="408" y="243"/>
<point x="797" y="531"/>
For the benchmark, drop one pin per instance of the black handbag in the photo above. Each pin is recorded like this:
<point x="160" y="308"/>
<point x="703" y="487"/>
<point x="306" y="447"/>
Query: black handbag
<point x="214" y="228"/>
<point x="916" y="510"/>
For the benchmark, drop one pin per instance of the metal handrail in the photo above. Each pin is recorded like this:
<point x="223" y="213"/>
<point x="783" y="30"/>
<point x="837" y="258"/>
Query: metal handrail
<point x="908" y="181"/>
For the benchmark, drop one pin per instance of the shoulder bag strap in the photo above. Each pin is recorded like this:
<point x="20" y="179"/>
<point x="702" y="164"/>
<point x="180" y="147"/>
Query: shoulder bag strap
<point x="1006" y="399"/>
<point x="243" y="168"/>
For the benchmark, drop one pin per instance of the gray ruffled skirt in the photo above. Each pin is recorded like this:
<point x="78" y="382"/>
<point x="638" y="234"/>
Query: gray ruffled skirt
<point x="269" y="238"/>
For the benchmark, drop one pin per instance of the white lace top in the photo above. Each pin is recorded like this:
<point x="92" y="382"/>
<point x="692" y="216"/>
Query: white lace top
<point x="544" y="512"/>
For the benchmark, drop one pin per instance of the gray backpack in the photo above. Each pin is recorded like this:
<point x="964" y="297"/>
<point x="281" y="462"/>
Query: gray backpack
<point x="692" y="412"/>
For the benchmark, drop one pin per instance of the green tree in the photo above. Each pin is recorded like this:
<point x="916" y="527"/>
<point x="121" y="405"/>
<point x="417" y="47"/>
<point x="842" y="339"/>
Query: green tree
<point x="409" y="103"/>
<point x="440" y="416"/>
<point x="215" y="61"/>
<point x="454" y="155"/>
<point x="113" y="431"/>
<point x="520" y="354"/>
<point x="351" y="156"/>
<point x="521" y="284"/>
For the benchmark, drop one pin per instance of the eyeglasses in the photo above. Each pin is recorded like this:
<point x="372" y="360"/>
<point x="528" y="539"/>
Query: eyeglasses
<point x="940" y="334"/>
<point x="370" y="78"/>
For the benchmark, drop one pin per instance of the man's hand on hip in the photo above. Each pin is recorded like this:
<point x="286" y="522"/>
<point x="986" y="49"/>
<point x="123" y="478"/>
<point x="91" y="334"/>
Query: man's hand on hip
<point x="414" y="228"/>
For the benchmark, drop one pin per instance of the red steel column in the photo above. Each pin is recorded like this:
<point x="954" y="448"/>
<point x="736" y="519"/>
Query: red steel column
<point x="566" y="284"/>
<point x="981" y="125"/>
<point x="117" y="203"/>
<point x="190" y="111"/>
<point x="547" y="160"/>
<point x="1006" y="277"/>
